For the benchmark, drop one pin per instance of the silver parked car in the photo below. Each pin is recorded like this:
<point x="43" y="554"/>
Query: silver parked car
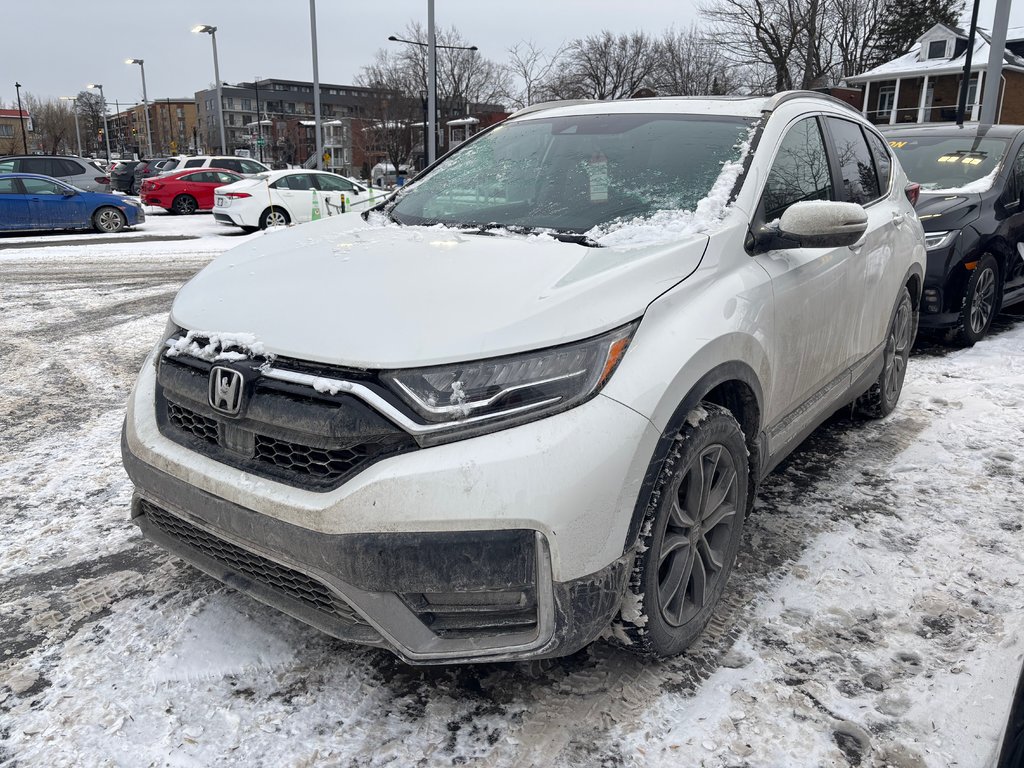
<point x="77" y="171"/>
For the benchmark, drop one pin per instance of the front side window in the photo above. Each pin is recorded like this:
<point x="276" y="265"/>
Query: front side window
<point x="860" y="182"/>
<point x="334" y="183"/>
<point x="949" y="162"/>
<point x="42" y="187"/>
<point x="800" y="171"/>
<point x="573" y="173"/>
<point x="883" y="161"/>
<point x="193" y="163"/>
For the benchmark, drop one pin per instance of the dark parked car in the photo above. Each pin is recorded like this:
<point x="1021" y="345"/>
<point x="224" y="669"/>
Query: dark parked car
<point x="82" y="173"/>
<point x="122" y="176"/>
<point x="147" y="168"/>
<point x="30" y="202"/>
<point x="972" y="209"/>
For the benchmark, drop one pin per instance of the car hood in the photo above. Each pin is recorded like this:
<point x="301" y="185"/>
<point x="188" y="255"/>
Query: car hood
<point x="389" y="297"/>
<point x="944" y="211"/>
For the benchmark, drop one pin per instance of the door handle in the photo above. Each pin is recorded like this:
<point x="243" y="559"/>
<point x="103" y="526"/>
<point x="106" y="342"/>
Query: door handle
<point x="898" y="218"/>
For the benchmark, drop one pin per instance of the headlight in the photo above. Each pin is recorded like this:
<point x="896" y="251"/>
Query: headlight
<point x="935" y="240"/>
<point x="486" y="393"/>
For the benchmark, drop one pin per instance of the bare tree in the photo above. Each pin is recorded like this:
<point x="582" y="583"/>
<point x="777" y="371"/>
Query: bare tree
<point x="606" y="66"/>
<point x="90" y="111"/>
<point x="761" y="32"/>
<point x="856" y="25"/>
<point x="528" y="70"/>
<point x="53" y="122"/>
<point x="692" y="64"/>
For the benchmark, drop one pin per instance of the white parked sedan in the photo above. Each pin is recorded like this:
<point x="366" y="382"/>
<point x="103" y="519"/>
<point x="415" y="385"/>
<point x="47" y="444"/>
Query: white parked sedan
<point x="294" y="196"/>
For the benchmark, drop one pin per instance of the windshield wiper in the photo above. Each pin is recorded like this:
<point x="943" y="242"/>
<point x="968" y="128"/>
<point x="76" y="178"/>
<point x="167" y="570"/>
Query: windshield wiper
<point x="519" y="229"/>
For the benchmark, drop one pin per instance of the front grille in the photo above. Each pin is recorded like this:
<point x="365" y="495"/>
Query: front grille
<point x="189" y="421"/>
<point x="278" y="578"/>
<point x="322" y="462"/>
<point x="286" y="433"/>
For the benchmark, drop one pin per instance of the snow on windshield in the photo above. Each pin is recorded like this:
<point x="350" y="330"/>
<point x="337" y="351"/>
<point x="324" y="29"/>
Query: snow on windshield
<point x="586" y="174"/>
<point x="950" y="163"/>
<point x="676" y="224"/>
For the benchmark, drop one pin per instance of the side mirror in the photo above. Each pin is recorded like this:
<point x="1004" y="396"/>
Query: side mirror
<point x="823" y="224"/>
<point x="69" y="193"/>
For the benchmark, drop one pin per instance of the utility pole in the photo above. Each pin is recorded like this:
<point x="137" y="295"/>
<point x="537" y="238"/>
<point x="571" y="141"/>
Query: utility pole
<point x="431" y="85"/>
<point x="990" y="98"/>
<point x="316" y="90"/>
<point x="259" y="120"/>
<point x="965" y="81"/>
<point x="21" y="117"/>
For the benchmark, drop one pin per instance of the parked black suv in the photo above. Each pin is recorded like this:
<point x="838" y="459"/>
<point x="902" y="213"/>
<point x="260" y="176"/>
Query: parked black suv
<point x="147" y="168"/>
<point x="122" y="176"/>
<point x="972" y="210"/>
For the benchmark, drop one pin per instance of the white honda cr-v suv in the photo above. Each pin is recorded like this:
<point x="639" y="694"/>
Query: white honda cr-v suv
<point x="532" y="395"/>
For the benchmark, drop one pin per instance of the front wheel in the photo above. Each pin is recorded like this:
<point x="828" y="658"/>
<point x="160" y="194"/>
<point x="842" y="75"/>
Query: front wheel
<point x="881" y="399"/>
<point x="109" y="220"/>
<point x="691" y="533"/>
<point x="981" y="302"/>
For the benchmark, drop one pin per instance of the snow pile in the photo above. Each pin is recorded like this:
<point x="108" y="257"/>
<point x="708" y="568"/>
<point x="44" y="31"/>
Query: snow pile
<point x="215" y="346"/>
<point x="674" y="225"/>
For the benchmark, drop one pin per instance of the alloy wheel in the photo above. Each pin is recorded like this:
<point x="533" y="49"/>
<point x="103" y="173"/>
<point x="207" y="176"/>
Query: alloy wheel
<point x="109" y="220"/>
<point x="898" y="351"/>
<point x="983" y="301"/>
<point x="693" y="549"/>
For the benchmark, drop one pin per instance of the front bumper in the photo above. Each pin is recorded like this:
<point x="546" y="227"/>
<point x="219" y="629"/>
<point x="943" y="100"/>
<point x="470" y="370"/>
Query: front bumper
<point x="503" y="546"/>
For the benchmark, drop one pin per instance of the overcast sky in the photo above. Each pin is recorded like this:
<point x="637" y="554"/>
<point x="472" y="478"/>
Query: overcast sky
<point x="54" y="47"/>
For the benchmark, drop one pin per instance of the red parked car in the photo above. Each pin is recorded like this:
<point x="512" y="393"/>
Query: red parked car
<point x="186" y="191"/>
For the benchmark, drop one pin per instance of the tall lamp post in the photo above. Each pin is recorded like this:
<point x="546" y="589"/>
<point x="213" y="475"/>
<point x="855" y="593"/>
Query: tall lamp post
<point x="78" y="133"/>
<point x="212" y="32"/>
<point x="21" y="118"/>
<point x="431" y="47"/>
<point x="106" y="133"/>
<point x="316" y="90"/>
<point x="145" y="104"/>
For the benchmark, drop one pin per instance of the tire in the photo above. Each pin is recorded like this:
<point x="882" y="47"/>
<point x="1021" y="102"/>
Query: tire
<point x="881" y="399"/>
<point x="274" y="217"/>
<point x="982" y="298"/>
<point x="108" y="219"/>
<point x="690" y="535"/>
<point x="184" y="205"/>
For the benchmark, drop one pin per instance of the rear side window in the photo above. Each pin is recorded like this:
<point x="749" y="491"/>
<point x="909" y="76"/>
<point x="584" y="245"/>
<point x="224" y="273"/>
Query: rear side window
<point x="800" y="171"/>
<point x="7" y="166"/>
<point x="860" y="182"/>
<point x="197" y="178"/>
<point x="68" y="168"/>
<point x="299" y="182"/>
<point x="198" y="163"/>
<point x="229" y="164"/>
<point x="883" y="160"/>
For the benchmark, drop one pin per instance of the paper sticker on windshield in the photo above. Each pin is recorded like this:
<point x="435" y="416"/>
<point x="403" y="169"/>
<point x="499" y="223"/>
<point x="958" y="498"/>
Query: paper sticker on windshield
<point x="597" y="171"/>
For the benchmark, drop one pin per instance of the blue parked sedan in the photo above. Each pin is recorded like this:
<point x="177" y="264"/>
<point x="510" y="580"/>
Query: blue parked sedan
<point x="31" y="202"/>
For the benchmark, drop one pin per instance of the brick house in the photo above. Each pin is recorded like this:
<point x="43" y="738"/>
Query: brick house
<point x="922" y="86"/>
<point x="12" y="141"/>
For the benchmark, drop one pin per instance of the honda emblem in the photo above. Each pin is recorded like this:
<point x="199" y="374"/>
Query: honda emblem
<point x="226" y="390"/>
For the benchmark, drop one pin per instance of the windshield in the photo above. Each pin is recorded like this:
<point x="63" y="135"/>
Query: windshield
<point x="570" y="174"/>
<point x="950" y="162"/>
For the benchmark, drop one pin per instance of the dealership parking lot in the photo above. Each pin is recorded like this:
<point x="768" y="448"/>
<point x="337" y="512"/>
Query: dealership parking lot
<point x="874" y="616"/>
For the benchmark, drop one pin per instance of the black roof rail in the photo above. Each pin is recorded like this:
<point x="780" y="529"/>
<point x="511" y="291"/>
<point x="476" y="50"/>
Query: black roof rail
<point x="774" y="102"/>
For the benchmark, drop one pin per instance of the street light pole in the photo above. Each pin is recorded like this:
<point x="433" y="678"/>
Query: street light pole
<point x="431" y="84"/>
<point x="431" y="102"/>
<point x="145" y="103"/>
<point x="21" y="118"/>
<point x="78" y="133"/>
<point x="316" y="90"/>
<point x="106" y="133"/>
<point x="212" y="32"/>
<point x="259" y="120"/>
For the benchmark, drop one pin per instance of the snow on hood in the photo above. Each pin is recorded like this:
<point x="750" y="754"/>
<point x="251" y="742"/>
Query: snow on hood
<point x="348" y="293"/>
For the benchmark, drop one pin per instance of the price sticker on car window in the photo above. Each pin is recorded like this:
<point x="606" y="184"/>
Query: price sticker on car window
<point x="597" y="171"/>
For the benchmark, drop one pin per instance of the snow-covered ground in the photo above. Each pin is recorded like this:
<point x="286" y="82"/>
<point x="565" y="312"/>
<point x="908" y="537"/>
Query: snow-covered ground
<point x="875" y="617"/>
